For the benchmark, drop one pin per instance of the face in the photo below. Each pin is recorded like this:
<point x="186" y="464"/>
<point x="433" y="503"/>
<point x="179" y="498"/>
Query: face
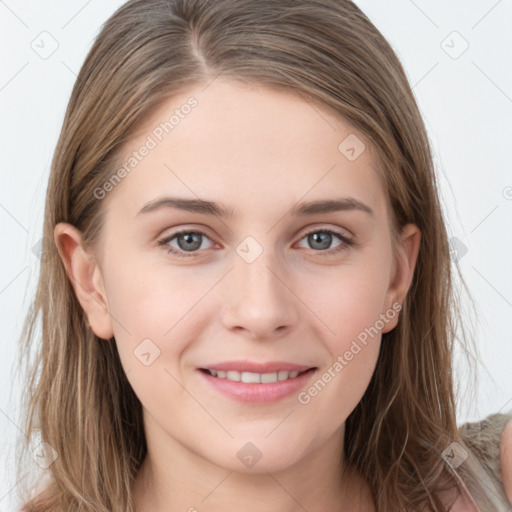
<point x="251" y="239"/>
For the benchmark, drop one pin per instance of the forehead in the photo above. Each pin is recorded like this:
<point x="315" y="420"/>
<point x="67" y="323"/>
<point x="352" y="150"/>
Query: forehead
<point x="255" y="149"/>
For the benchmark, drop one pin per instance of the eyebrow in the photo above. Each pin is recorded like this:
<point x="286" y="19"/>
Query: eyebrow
<point x="211" y="208"/>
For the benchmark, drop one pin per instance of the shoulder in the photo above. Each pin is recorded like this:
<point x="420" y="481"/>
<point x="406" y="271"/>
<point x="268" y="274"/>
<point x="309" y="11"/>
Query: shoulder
<point x="490" y="440"/>
<point x="506" y="459"/>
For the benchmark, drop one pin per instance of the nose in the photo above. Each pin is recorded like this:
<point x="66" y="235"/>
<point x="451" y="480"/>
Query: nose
<point x="260" y="302"/>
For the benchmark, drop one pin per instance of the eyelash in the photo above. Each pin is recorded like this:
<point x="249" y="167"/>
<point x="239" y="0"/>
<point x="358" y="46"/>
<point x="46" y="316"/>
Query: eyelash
<point x="347" y="242"/>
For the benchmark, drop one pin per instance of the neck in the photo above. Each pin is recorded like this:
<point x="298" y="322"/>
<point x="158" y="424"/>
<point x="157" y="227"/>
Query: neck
<point x="176" y="479"/>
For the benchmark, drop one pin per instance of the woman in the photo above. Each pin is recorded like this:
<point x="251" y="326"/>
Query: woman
<point x="200" y="351"/>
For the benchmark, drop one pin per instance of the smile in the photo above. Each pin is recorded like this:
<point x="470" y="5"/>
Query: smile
<point x="255" y="378"/>
<point x="271" y="384"/>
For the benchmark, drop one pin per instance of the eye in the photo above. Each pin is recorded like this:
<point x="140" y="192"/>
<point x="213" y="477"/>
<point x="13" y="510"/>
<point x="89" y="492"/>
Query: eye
<point x="321" y="239"/>
<point x="188" y="242"/>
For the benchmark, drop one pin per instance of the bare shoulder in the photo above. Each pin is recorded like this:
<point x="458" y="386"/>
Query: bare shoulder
<point x="506" y="459"/>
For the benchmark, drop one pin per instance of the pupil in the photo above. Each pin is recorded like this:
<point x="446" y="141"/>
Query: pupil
<point x="189" y="238"/>
<point x="326" y="241"/>
<point x="193" y="240"/>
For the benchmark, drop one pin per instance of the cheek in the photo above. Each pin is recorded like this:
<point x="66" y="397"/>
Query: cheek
<point x="354" y="314"/>
<point x="145" y="304"/>
<point x="340" y="386"/>
<point x="352" y="307"/>
<point x="151" y="300"/>
<point x="156" y="314"/>
<point x="351" y="300"/>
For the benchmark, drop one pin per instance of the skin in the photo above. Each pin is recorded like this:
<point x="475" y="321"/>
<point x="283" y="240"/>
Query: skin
<point x="259" y="152"/>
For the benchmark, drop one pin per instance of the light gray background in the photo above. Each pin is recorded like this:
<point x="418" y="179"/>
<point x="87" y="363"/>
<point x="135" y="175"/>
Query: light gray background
<point x="465" y="98"/>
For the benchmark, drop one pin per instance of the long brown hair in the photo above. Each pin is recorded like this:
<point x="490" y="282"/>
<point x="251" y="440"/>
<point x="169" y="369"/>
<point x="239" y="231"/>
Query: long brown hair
<point x="79" y="400"/>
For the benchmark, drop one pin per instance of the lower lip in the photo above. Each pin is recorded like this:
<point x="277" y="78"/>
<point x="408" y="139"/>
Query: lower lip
<point x="259" y="393"/>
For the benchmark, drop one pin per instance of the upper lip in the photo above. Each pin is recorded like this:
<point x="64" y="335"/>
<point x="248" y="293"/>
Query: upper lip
<point x="255" y="367"/>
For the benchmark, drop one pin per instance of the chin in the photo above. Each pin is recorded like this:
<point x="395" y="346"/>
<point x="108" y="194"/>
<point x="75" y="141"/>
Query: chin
<point x="259" y="455"/>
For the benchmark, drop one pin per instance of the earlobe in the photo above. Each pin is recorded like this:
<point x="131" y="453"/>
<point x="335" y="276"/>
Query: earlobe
<point x="85" y="276"/>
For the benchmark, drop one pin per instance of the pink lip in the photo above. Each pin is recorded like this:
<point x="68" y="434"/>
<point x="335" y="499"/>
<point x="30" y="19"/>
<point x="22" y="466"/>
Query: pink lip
<point x="252" y="366"/>
<point x="260" y="393"/>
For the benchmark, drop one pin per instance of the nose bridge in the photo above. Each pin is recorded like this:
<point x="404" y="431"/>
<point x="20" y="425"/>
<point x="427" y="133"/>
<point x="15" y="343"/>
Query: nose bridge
<point x="259" y="300"/>
<point x="257" y="275"/>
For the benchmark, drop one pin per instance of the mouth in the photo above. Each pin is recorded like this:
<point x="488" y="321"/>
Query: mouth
<point x="254" y="377"/>
<point x="261" y="383"/>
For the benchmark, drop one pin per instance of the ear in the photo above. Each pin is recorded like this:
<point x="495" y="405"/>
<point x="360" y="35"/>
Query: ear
<point x="403" y="271"/>
<point x="86" y="279"/>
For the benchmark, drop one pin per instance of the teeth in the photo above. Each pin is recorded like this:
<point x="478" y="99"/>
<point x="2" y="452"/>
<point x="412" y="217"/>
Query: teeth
<point x="254" y="378"/>
<point x="250" y="378"/>
<point x="282" y="375"/>
<point x="231" y="375"/>
<point x="267" y="377"/>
